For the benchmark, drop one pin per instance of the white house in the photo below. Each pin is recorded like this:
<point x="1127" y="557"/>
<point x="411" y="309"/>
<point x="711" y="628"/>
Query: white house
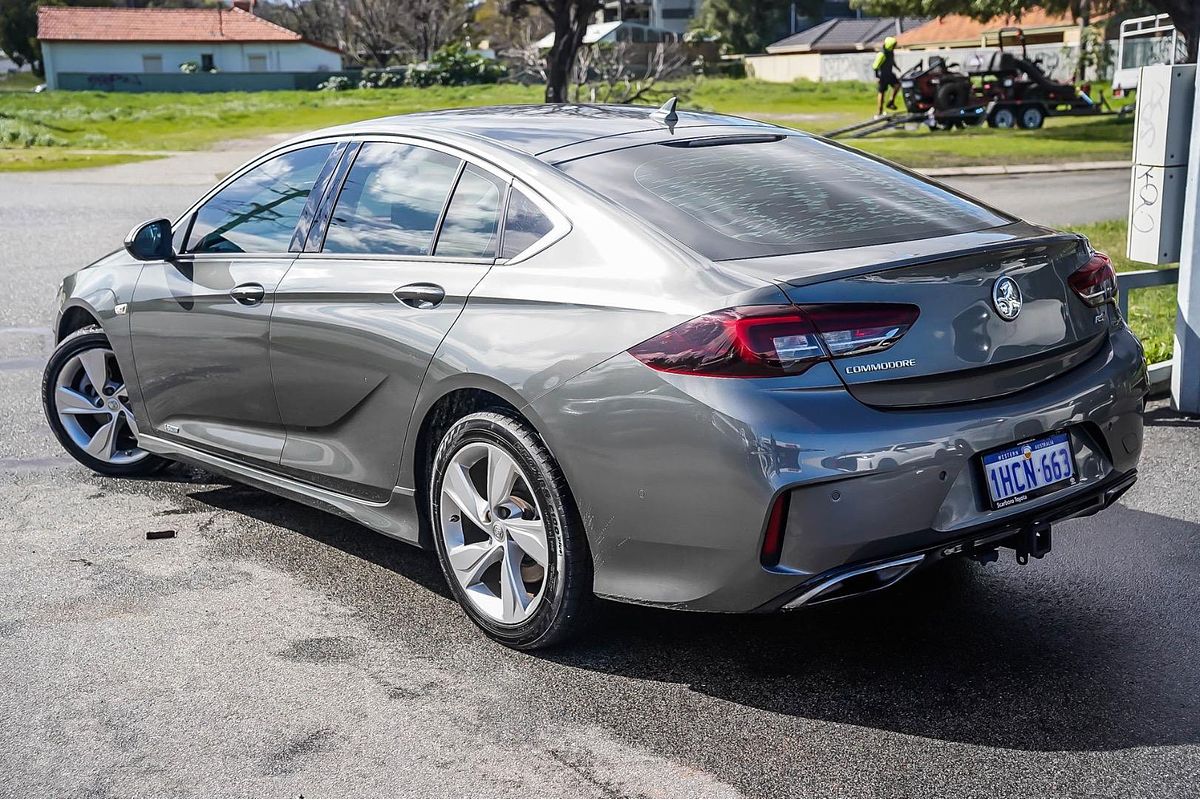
<point x="107" y="41"/>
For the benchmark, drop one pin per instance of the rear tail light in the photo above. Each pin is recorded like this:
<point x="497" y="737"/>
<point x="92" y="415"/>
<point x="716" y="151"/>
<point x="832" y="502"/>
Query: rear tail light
<point x="856" y="330"/>
<point x="772" y="341"/>
<point x="1096" y="281"/>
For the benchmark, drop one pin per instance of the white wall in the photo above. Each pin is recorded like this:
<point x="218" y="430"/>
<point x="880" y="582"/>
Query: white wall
<point x="1057" y="60"/>
<point x="664" y="14"/>
<point x="117" y="57"/>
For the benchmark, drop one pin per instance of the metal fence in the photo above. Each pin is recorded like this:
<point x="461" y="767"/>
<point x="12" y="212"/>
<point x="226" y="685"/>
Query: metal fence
<point x="197" y="82"/>
<point x="1142" y="279"/>
<point x="1160" y="373"/>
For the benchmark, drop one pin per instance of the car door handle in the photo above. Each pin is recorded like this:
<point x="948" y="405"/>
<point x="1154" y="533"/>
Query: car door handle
<point x="420" y="295"/>
<point x="248" y="294"/>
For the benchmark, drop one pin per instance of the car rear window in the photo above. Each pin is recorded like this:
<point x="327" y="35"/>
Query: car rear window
<point x="768" y="197"/>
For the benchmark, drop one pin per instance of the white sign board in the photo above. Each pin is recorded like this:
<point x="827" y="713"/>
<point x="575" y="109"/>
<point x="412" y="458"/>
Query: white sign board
<point x="1156" y="213"/>
<point x="1160" y="156"/>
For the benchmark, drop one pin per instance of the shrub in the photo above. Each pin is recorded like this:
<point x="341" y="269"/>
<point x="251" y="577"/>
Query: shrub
<point x="335" y="83"/>
<point x="454" y="65"/>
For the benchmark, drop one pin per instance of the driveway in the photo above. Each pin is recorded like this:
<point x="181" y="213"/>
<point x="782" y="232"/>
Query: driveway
<point x="271" y="649"/>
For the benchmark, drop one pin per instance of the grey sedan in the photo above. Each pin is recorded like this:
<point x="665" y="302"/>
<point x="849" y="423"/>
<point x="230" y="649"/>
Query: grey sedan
<point x="654" y="356"/>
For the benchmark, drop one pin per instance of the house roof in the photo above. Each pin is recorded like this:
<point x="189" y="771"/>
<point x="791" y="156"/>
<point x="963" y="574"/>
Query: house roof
<point x="842" y="35"/>
<point x="85" y="24"/>
<point x="957" y="29"/>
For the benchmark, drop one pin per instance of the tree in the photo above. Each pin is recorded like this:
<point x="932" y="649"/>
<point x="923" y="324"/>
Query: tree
<point x="380" y="32"/>
<point x="18" y="33"/>
<point x="321" y="21"/>
<point x="570" y="19"/>
<point x="747" y="26"/>
<point x="1185" y="14"/>
<point x="626" y="72"/>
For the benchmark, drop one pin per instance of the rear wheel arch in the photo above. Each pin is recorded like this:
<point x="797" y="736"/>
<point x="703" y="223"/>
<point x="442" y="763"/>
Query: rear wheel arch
<point x="437" y="420"/>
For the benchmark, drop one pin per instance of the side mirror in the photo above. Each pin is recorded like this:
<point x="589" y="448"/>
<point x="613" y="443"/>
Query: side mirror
<point x="151" y="241"/>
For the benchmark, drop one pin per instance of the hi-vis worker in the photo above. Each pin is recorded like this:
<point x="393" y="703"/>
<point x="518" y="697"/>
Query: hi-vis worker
<point x="885" y="73"/>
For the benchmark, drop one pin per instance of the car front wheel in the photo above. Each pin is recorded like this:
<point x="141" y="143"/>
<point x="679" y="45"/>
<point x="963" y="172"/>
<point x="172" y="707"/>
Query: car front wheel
<point x="87" y="405"/>
<point x="507" y="532"/>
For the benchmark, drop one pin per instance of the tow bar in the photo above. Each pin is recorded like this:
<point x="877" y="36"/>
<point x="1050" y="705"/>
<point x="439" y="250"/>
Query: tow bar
<point x="1031" y="541"/>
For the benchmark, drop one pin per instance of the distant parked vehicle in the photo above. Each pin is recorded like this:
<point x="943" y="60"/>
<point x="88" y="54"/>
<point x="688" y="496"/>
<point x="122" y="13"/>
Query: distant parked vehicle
<point x="1145" y="41"/>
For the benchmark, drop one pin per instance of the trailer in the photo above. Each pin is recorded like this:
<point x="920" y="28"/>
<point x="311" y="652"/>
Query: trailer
<point x="1018" y="92"/>
<point x="1010" y="90"/>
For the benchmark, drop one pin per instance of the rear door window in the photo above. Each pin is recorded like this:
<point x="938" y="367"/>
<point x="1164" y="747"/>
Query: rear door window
<point x="258" y="211"/>
<point x="774" y="196"/>
<point x="391" y="201"/>
<point x="471" y="228"/>
<point x="524" y="224"/>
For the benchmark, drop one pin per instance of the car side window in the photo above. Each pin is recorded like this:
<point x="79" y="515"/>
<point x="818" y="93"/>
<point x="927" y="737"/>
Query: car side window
<point x="471" y="228"/>
<point x="524" y="224"/>
<point x="391" y="201"/>
<point x="258" y="212"/>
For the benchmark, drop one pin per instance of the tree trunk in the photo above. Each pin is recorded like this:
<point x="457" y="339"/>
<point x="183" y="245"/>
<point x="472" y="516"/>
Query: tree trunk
<point x="1085" y="19"/>
<point x="570" y="24"/>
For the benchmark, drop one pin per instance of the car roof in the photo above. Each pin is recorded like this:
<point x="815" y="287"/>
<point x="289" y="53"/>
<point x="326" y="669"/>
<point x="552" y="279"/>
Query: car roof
<point x="539" y="129"/>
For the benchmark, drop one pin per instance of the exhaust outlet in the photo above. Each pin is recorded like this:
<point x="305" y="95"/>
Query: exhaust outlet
<point x="857" y="581"/>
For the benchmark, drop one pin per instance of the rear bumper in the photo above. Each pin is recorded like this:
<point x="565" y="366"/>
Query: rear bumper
<point x="674" y="475"/>
<point x="837" y="583"/>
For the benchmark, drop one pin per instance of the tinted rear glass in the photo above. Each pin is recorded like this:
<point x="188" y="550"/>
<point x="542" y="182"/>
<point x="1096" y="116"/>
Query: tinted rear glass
<point x="524" y="225"/>
<point x="766" y="198"/>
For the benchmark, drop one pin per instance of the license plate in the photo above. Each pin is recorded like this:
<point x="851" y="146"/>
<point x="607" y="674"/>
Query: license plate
<point x="1024" y="471"/>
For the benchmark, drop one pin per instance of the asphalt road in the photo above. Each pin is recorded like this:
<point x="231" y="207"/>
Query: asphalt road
<point x="1067" y="198"/>
<point x="272" y="649"/>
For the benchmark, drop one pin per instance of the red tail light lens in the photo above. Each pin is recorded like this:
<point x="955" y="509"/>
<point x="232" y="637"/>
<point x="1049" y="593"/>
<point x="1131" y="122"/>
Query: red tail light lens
<point x="1096" y="281"/>
<point x="749" y="342"/>
<point x="772" y="341"/>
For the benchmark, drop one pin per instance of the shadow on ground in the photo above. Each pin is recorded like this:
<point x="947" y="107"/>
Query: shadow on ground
<point x="1093" y="648"/>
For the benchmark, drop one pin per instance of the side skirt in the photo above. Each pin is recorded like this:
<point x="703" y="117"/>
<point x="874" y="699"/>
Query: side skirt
<point x="396" y="518"/>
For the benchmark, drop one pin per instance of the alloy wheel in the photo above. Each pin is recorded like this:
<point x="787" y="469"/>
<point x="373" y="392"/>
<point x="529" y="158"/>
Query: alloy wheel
<point x="494" y="533"/>
<point x="92" y="405"/>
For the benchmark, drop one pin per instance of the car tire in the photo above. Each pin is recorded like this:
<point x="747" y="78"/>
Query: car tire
<point x="103" y="438"/>
<point x="523" y="591"/>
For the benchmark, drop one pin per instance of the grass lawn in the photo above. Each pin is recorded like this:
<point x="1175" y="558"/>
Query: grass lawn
<point x="156" y="122"/>
<point x="821" y="107"/>
<point x="18" y="81"/>
<point x="1151" y="311"/>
